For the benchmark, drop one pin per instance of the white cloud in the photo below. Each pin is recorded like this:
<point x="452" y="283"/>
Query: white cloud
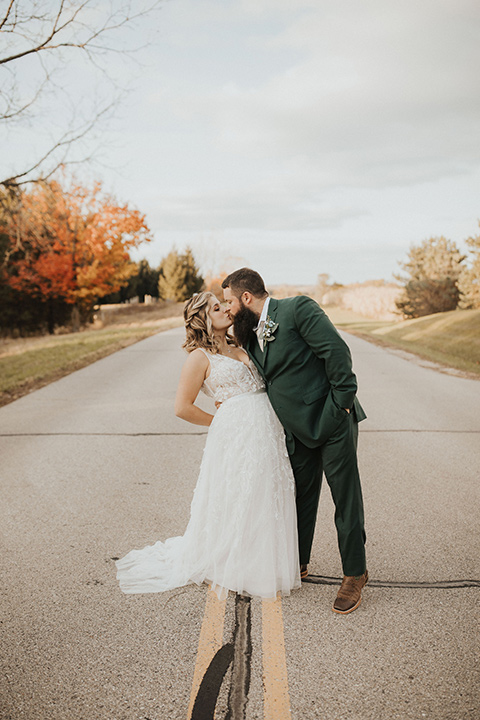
<point x="261" y="208"/>
<point x="383" y="93"/>
<point x="317" y="136"/>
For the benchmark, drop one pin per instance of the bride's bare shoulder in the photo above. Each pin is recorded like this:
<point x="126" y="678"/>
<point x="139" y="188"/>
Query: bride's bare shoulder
<point x="197" y="361"/>
<point x="199" y="355"/>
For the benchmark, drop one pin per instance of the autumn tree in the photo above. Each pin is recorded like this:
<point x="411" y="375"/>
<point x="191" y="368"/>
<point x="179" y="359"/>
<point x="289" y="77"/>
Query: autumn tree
<point x="68" y="246"/>
<point x="179" y="276"/>
<point x="469" y="282"/>
<point x="40" y="41"/>
<point x="18" y="311"/>
<point x="431" y="282"/>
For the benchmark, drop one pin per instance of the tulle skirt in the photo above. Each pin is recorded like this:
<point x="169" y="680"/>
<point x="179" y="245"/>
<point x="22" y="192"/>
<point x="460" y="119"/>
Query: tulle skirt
<point x="242" y="532"/>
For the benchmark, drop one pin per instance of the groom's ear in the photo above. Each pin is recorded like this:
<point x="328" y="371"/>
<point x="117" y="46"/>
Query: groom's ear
<point x="247" y="298"/>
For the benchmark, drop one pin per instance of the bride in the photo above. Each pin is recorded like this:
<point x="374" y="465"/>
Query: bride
<point x="242" y="532"/>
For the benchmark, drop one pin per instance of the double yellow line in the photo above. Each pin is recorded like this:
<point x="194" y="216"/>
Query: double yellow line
<point x="276" y="701"/>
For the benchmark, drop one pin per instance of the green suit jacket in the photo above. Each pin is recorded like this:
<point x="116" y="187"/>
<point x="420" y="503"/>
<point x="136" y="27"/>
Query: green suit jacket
<point x="308" y="371"/>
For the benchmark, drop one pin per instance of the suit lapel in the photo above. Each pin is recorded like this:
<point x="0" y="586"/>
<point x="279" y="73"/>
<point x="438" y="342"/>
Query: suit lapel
<point x="272" y="314"/>
<point x="255" y="353"/>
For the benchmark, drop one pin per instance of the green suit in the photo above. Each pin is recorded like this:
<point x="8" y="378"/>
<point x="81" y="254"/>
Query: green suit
<point x="308" y="371"/>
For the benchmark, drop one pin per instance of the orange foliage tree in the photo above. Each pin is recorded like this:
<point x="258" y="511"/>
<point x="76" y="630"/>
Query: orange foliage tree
<point x="69" y="245"/>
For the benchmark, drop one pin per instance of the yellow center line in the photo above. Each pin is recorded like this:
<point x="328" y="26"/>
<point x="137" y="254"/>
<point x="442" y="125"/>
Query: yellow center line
<point x="276" y="700"/>
<point x="211" y="640"/>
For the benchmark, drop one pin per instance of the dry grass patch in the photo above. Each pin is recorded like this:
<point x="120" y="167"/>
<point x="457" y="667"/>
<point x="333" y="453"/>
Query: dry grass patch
<point x="126" y="315"/>
<point x="451" y="338"/>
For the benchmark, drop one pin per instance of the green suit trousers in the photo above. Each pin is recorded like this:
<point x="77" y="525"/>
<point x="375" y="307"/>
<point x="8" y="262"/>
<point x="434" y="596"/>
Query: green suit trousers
<point x="337" y="458"/>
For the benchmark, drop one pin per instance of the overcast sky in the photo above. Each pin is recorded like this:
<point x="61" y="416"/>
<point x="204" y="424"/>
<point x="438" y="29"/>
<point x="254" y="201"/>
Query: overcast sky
<point x="303" y="136"/>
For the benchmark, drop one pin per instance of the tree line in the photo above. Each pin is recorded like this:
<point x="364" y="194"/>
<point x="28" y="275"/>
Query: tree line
<point x="175" y="279"/>
<point x="65" y="247"/>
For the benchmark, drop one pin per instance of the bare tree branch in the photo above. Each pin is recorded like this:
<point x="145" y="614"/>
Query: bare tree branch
<point x="10" y="114"/>
<point x="84" y="26"/>
<point x="57" y="29"/>
<point x="9" y="9"/>
<point x="65" y="142"/>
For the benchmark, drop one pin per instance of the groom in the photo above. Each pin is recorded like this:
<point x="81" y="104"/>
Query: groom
<point x="308" y="372"/>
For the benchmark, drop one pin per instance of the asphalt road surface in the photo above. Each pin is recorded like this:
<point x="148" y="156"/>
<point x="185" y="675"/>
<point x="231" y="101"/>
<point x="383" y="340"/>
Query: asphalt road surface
<point x="96" y="464"/>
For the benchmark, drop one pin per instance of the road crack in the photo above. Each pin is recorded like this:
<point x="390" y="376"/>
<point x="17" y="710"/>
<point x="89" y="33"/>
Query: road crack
<point x="413" y="584"/>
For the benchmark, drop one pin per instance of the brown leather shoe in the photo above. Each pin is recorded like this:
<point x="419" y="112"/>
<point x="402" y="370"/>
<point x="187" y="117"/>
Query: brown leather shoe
<point x="303" y="571"/>
<point x="350" y="594"/>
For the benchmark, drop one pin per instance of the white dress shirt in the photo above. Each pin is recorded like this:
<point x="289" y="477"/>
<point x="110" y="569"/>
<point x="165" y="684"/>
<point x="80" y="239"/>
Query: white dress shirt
<point x="261" y="323"/>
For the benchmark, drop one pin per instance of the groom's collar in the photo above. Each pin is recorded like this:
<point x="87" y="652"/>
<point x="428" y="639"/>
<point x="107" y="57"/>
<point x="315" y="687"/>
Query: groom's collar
<point x="272" y="305"/>
<point x="264" y="313"/>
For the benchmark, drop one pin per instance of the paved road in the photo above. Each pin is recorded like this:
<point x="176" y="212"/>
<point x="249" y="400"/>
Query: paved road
<point x="96" y="464"/>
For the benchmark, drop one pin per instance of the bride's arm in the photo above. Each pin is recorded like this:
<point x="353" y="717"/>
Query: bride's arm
<point x="193" y="374"/>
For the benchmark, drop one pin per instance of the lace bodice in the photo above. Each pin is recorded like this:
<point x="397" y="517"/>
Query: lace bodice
<point x="229" y="377"/>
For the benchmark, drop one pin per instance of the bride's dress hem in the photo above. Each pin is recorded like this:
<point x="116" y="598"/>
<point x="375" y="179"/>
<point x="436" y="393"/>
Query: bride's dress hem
<point x="220" y="591"/>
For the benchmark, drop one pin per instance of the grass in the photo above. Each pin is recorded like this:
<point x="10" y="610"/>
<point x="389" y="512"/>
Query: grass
<point x="451" y="338"/>
<point x="27" y="364"/>
<point x="136" y="314"/>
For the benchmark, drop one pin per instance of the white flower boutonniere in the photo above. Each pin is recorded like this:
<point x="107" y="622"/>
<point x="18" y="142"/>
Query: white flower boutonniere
<point x="268" y="329"/>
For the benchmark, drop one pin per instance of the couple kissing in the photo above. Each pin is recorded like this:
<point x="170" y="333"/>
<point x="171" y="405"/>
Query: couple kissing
<point x="287" y="414"/>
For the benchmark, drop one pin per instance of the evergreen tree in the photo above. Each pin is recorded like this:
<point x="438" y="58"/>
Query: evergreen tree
<point x="147" y="281"/>
<point x="426" y="297"/>
<point x="123" y="295"/>
<point x="179" y="276"/>
<point x="433" y="269"/>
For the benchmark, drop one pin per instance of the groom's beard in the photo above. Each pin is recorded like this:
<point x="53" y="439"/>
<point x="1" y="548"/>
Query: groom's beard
<point x="243" y="324"/>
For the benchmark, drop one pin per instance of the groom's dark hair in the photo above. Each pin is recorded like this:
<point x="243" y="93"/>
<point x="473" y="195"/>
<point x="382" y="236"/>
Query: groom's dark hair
<point x="245" y="280"/>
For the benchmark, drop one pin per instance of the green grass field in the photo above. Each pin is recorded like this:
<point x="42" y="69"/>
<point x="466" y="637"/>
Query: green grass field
<point x="451" y="338"/>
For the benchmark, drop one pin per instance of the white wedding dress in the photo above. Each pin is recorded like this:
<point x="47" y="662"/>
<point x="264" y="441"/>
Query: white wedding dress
<point x="242" y="533"/>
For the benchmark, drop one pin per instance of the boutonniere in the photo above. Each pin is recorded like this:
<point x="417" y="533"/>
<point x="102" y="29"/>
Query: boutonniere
<point x="268" y="329"/>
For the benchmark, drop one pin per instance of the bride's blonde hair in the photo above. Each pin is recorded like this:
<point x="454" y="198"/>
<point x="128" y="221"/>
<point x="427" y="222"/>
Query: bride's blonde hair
<point x="198" y="324"/>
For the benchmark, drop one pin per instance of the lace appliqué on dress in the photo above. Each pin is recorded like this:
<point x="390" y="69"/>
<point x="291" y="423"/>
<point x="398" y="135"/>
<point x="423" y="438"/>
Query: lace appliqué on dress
<point x="229" y="377"/>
